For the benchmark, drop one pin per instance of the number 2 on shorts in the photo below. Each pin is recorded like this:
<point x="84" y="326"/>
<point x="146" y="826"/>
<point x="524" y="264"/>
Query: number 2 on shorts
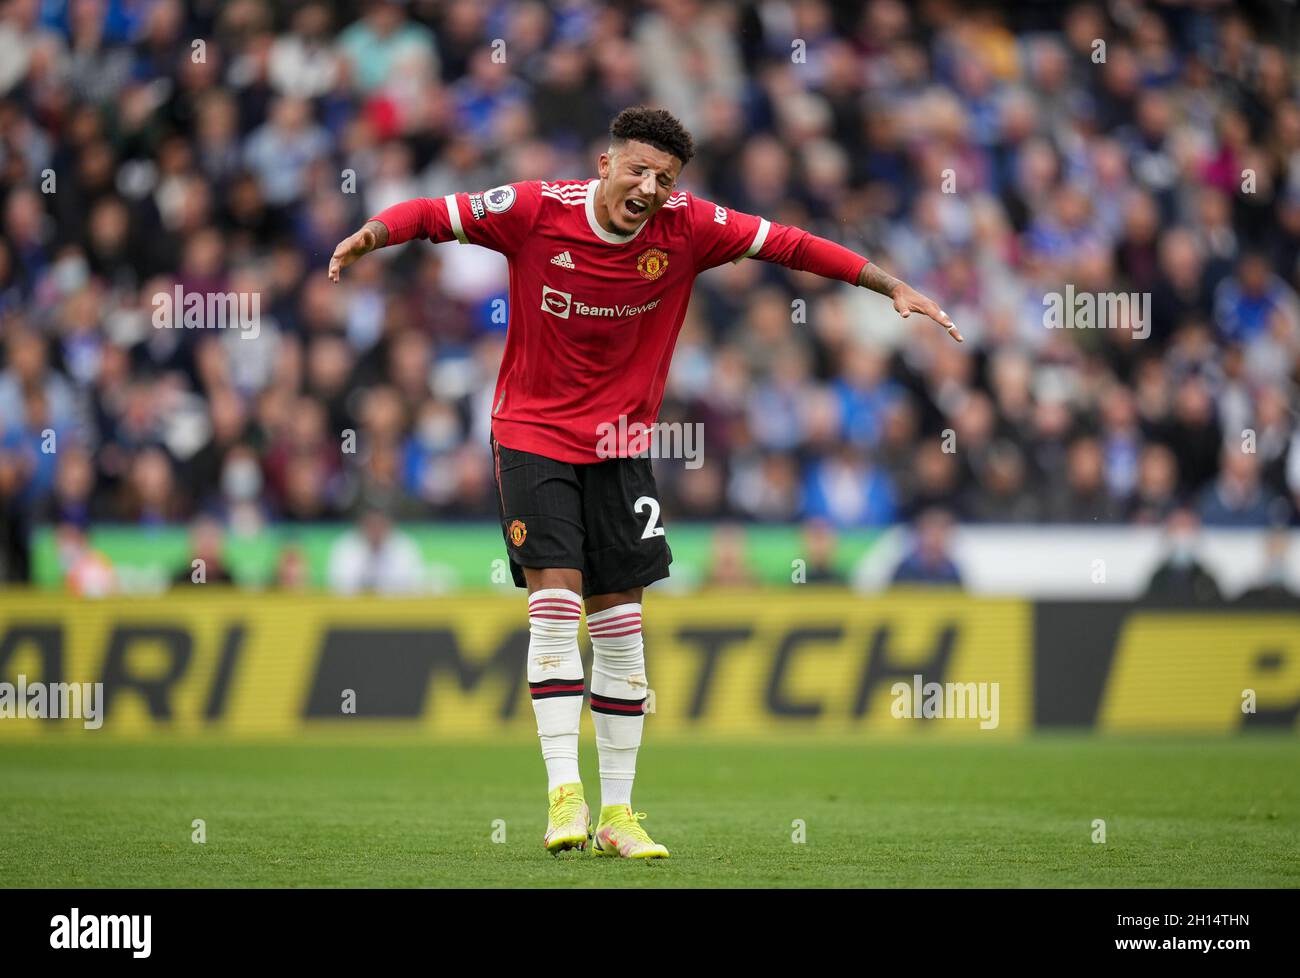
<point x="652" y="529"/>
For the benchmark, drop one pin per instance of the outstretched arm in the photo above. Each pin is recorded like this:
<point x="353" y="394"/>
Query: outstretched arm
<point x="906" y="299"/>
<point x="499" y="219"/>
<point x="796" y="248"/>
<point x="420" y="217"/>
<point x="721" y="232"/>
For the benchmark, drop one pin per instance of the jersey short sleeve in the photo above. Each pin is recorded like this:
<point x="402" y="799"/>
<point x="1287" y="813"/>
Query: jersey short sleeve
<point x="721" y="234"/>
<point x="500" y="218"/>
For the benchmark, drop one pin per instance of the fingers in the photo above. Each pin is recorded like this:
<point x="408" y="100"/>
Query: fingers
<point x="336" y="259"/>
<point x="908" y="304"/>
<point x="928" y="307"/>
<point x="343" y="256"/>
<point x="349" y="250"/>
<point x="944" y="320"/>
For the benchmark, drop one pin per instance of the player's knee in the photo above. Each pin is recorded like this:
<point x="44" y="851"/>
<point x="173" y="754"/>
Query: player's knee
<point x="553" y="578"/>
<point x="616" y="642"/>
<point x="561" y="632"/>
<point x="553" y="617"/>
<point x="554" y="614"/>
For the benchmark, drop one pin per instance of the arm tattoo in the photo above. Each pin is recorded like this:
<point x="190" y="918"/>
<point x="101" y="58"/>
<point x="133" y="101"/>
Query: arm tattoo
<point x="878" y="280"/>
<point x="381" y="232"/>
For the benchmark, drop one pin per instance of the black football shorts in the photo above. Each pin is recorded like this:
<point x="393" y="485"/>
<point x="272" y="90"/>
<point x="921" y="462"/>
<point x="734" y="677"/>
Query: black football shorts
<point x="601" y="518"/>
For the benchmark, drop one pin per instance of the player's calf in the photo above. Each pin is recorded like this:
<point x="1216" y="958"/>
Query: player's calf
<point x="618" y="693"/>
<point x="555" y="684"/>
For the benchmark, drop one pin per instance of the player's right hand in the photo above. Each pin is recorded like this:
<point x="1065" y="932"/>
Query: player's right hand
<point x="907" y="301"/>
<point x="350" y="249"/>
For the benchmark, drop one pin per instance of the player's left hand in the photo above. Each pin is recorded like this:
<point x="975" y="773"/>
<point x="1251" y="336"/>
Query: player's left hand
<point x="349" y="250"/>
<point x="907" y="301"/>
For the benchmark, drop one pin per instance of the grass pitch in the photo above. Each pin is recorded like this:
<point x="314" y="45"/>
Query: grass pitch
<point x="1222" y="812"/>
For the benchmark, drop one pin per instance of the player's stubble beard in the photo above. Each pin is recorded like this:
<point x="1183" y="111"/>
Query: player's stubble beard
<point x="615" y="213"/>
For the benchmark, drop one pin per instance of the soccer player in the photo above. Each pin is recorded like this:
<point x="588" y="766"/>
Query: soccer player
<point x="600" y="274"/>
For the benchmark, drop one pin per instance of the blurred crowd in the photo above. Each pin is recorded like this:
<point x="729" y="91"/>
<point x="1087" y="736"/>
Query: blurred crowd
<point x="990" y="155"/>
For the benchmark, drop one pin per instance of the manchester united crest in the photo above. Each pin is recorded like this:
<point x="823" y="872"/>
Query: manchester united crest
<point x="652" y="263"/>
<point x="518" y="531"/>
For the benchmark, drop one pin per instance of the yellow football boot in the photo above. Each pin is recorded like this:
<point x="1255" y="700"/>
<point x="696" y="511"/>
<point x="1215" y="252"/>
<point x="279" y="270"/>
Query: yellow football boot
<point x="569" y="821"/>
<point x="619" y="833"/>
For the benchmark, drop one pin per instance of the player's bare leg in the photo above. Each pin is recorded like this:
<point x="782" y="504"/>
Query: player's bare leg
<point x="618" y="694"/>
<point x="556" y="683"/>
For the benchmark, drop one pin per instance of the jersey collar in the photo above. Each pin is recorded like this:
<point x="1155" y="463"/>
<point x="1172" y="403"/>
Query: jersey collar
<point x="607" y="236"/>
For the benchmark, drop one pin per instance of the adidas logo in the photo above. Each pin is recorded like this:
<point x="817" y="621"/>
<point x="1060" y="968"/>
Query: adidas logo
<point x="563" y="260"/>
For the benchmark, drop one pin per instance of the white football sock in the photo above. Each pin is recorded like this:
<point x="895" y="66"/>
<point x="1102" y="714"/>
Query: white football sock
<point x="555" y="680"/>
<point x="618" y="691"/>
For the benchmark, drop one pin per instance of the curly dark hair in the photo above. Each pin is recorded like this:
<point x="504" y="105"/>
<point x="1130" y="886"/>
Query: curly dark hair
<point x="655" y="127"/>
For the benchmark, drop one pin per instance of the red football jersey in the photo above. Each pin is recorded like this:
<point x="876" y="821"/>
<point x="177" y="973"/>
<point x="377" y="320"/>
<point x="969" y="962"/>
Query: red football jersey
<point x="594" y="315"/>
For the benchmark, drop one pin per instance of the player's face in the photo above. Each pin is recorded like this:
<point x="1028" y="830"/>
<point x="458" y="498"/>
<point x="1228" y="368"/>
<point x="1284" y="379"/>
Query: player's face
<point x="636" y="181"/>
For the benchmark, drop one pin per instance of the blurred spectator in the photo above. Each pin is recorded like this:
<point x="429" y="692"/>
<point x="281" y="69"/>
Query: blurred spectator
<point x="241" y="504"/>
<point x="1181" y="578"/>
<point x="1272" y="587"/>
<point x="1085" y="497"/>
<point x="819" y="554"/>
<point x="1246" y="303"/>
<point x="929" y="561"/>
<point x="292" y="572"/>
<point x="24" y="40"/>
<point x="846" y="490"/>
<point x="865" y="394"/>
<point x="1237" y="498"/>
<point x="1194" y="434"/>
<point x="228" y="424"/>
<point x="73" y="499"/>
<point x="1003" y="496"/>
<point x="280" y="152"/>
<point x="32" y="442"/>
<point x="87" y="573"/>
<point x="1155" y="497"/>
<point x="936" y="481"/>
<point x="729" y="567"/>
<point x="150" y="495"/>
<point x="1180" y="294"/>
<point x="686" y="50"/>
<point x="375" y="557"/>
<point x="304" y="63"/>
<point x="207" y="561"/>
<point x="374" y="44"/>
<point x="26" y="373"/>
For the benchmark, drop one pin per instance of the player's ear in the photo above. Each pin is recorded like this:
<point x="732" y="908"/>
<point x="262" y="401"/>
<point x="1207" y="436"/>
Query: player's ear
<point x="602" y="166"/>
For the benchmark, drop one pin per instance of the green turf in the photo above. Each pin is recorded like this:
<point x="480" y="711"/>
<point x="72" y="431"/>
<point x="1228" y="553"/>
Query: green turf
<point x="1204" y="813"/>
